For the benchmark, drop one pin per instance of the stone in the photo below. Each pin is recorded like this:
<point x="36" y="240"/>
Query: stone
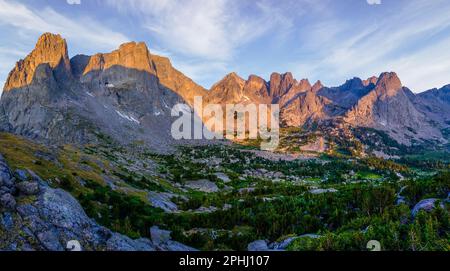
<point x="119" y="242"/>
<point x="6" y="221"/>
<point x="203" y="186"/>
<point x="159" y="236"/>
<point x="322" y="191"/>
<point x="163" y="201"/>
<point x="259" y="245"/>
<point x="426" y="205"/>
<point x="28" y="188"/>
<point x="223" y="177"/>
<point x="49" y="239"/>
<point x="177" y="246"/>
<point x="8" y="201"/>
<point x="21" y="175"/>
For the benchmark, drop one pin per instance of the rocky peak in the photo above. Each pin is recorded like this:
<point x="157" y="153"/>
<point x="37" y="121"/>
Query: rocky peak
<point x="256" y="87"/>
<point x="371" y="80"/>
<point x="388" y="84"/>
<point x="131" y="55"/>
<point x="355" y="83"/>
<point x="229" y="89"/>
<point x="232" y="78"/>
<point x="317" y="86"/>
<point x="281" y="83"/>
<point x="50" y="49"/>
<point x="304" y="84"/>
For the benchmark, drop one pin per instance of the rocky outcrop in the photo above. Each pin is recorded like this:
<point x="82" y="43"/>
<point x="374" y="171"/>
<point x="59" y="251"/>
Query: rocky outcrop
<point x="427" y="205"/>
<point x="228" y="90"/>
<point x="203" y="186"/>
<point x="306" y="108"/>
<point x="263" y="245"/>
<point x="348" y="94"/>
<point x="387" y="107"/>
<point x="435" y="104"/>
<point x="280" y="84"/>
<point x="34" y="216"/>
<point x="50" y="50"/>
<point x="126" y="94"/>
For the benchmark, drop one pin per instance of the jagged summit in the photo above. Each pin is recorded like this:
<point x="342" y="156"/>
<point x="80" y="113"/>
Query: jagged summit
<point x="129" y="55"/>
<point x="317" y="86"/>
<point x="126" y="94"/>
<point x="65" y="100"/>
<point x="280" y="84"/>
<point x="371" y="80"/>
<point x="50" y="49"/>
<point x="388" y="84"/>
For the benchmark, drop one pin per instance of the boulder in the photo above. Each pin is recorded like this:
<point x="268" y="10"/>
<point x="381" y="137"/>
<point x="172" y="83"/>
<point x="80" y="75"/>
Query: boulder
<point x="259" y="245"/>
<point x="28" y="188"/>
<point x="322" y="191"/>
<point x="21" y="175"/>
<point x="177" y="246"/>
<point x="283" y="245"/>
<point x="427" y="205"/>
<point x="163" y="201"/>
<point x="203" y="186"/>
<point x="223" y="177"/>
<point x="5" y="174"/>
<point x="8" y="201"/>
<point x="119" y="242"/>
<point x="159" y="236"/>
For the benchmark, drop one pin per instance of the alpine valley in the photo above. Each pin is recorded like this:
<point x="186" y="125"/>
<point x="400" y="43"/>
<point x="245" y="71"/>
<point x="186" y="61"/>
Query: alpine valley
<point x="86" y="154"/>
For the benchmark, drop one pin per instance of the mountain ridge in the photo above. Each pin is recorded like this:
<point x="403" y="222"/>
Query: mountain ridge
<point x="128" y="94"/>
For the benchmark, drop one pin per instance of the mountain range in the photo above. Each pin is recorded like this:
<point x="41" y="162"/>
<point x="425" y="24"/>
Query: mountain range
<point x="128" y="95"/>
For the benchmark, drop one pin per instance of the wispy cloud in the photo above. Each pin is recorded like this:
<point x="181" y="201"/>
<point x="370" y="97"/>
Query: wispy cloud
<point x="81" y="30"/>
<point x="74" y="2"/>
<point x="202" y="28"/>
<point x="374" y="2"/>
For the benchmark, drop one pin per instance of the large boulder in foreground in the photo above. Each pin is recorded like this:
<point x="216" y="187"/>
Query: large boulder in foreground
<point x="38" y="217"/>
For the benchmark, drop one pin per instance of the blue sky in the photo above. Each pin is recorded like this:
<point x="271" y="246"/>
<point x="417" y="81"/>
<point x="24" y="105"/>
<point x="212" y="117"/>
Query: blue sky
<point x="330" y="40"/>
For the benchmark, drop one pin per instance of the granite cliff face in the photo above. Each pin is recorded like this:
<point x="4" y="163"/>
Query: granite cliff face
<point x="126" y="94"/>
<point x="435" y="104"/>
<point x="50" y="50"/>
<point x="387" y="107"/>
<point x="377" y="102"/>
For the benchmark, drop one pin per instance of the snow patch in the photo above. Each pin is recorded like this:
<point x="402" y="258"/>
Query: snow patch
<point x="90" y="94"/>
<point x="127" y="117"/>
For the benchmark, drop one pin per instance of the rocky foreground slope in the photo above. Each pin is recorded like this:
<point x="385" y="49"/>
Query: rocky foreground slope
<point x="34" y="216"/>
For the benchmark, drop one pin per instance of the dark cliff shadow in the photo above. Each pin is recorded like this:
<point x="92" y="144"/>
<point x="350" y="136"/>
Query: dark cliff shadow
<point x="139" y="106"/>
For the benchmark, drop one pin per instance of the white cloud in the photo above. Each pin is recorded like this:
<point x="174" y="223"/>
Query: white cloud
<point x="74" y="2"/>
<point x="83" y="31"/>
<point x="202" y="28"/>
<point x="374" y="2"/>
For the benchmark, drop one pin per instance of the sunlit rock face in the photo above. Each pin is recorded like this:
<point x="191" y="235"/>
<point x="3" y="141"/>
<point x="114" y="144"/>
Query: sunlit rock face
<point x="126" y="94"/>
<point x="50" y="49"/>
<point x="387" y="107"/>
